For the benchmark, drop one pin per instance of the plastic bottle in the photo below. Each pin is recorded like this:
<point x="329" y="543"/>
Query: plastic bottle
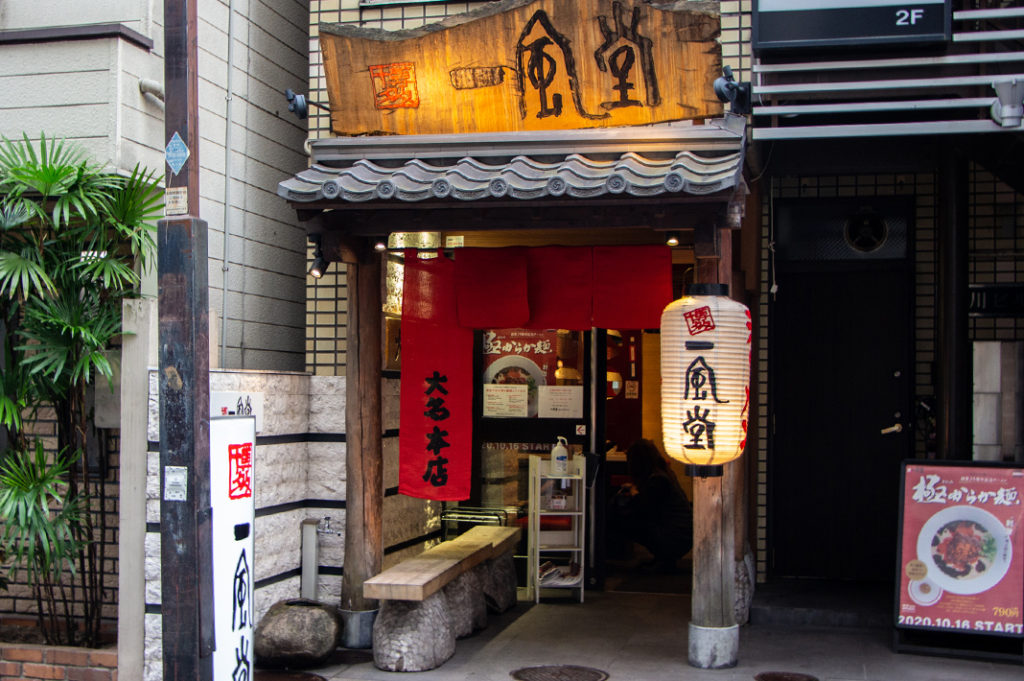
<point x="560" y="457"/>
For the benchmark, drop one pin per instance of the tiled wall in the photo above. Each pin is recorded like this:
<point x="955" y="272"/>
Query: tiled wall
<point x="922" y="187"/>
<point x="996" y="248"/>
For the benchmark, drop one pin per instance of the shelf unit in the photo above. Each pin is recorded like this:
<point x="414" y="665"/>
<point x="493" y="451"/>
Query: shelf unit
<point x="561" y="499"/>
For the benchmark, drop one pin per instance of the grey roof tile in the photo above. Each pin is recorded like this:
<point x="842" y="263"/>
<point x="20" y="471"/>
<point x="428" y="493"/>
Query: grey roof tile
<point x="698" y="160"/>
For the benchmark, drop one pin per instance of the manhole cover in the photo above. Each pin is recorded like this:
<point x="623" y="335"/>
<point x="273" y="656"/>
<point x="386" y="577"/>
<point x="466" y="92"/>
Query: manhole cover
<point x="274" y="675"/>
<point x="559" y="672"/>
<point x="784" y="676"/>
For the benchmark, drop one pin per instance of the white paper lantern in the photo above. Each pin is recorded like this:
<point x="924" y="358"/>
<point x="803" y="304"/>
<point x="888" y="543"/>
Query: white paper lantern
<point x="705" y="377"/>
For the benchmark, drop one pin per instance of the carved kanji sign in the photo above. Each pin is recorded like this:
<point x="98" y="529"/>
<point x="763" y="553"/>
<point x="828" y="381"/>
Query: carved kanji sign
<point x="526" y="65"/>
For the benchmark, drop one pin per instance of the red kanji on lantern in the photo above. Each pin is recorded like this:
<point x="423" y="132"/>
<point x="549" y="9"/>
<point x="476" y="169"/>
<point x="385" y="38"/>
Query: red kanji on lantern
<point x="699" y="320"/>
<point x="394" y="86"/>
<point x="240" y="471"/>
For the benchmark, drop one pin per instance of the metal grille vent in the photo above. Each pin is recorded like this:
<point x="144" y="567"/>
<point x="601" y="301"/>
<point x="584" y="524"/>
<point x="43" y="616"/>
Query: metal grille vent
<point x="784" y="676"/>
<point x="559" y="673"/>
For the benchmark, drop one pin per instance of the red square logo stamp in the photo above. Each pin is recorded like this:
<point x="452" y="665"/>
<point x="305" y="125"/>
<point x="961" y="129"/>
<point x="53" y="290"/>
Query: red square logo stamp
<point x="699" y="320"/>
<point x="394" y="86"/>
<point x="240" y="471"/>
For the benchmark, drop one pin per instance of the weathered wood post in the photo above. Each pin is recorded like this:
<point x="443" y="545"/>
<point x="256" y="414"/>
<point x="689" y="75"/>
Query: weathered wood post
<point x="186" y="554"/>
<point x="714" y="634"/>
<point x="364" y="479"/>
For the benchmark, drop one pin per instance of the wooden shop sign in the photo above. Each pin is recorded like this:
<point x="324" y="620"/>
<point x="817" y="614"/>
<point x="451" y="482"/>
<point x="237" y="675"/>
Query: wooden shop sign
<point x="525" y="65"/>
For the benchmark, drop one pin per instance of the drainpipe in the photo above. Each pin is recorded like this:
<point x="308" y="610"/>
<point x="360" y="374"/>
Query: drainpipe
<point x="229" y="106"/>
<point x="148" y="86"/>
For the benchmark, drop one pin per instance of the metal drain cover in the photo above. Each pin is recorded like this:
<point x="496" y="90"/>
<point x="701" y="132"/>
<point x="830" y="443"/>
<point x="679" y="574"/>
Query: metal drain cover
<point x="784" y="676"/>
<point x="559" y="672"/>
<point x="275" y="675"/>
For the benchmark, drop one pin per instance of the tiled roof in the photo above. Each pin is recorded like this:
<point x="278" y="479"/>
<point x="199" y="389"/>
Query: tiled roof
<point x="668" y="159"/>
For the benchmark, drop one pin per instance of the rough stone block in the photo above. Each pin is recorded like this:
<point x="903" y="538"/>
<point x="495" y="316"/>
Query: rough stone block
<point x="153" y="667"/>
<point x="280" y="473"/>
<point x="297" y="633"/>
<point x="390" y="402"/>
<point x="413" y="636"/>
<point x="266" y="596"/>
<point x="500" y="583"/>
<point x="466" y="604"/>
<point x="278" y="543"/>
<point x="326" y="470"/>
<point x="151" y="570"/>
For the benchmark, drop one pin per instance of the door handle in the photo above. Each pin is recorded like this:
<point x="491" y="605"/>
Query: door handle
<point x="894" y="428"/>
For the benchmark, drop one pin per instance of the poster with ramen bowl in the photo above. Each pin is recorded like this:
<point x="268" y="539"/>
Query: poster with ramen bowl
<point x="517" y="365"/>
<point x="962" y="548"/>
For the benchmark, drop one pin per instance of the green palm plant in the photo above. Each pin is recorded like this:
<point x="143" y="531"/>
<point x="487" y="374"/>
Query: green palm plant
<point x="39" y="535"/>
<point x="73" y="238"/>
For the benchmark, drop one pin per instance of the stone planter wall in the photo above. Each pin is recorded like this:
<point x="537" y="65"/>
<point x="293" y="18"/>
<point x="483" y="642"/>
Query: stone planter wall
<point x="21" y="662"/>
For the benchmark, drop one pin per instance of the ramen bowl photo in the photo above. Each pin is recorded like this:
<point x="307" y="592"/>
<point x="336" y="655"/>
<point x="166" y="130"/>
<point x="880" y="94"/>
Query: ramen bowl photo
<point x="966" y="549"/>
<point x="924" y="591"/>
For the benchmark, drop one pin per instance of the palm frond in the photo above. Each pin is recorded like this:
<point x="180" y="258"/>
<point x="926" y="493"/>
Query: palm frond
<point x="22" y="274"/>
<point x="39" y="513"/>
<point x="103" y="268"/>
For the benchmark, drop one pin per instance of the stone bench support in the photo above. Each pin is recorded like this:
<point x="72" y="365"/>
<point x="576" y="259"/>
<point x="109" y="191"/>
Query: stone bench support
<point x="442" y="594"/>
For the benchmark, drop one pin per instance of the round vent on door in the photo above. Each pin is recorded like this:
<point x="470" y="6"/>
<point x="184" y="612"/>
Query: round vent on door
<point x="866" y="231"/>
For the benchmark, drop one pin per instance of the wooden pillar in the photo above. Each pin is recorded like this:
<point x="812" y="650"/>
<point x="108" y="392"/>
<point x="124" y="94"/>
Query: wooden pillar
<point x="364" y="482"/>
<point x="186" y="553"/>
<point x="714" y="637"/>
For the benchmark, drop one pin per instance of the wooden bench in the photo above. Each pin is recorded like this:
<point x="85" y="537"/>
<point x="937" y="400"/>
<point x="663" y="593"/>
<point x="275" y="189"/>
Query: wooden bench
<point x="442" y="594"/>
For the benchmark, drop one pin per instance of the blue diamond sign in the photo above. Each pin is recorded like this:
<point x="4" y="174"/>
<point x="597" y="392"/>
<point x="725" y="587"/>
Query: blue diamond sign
<point x="176" y="153"/>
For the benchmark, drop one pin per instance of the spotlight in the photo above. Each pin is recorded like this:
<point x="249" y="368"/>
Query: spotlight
<point x="320" y="263"/>
<point x="728" y="90"/>
<point x="299" y="105"/>
<point x="672" y="238"/>
<point x="380" y="246"/>
<point x="319" y="267"/>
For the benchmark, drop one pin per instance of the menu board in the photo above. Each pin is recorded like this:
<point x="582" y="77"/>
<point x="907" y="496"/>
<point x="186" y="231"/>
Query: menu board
<point x="519" y="379"/>
<point x="961" y="553"/>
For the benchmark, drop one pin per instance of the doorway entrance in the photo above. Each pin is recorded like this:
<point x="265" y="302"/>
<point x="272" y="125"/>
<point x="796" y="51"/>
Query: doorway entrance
<point x="841" y="377"/>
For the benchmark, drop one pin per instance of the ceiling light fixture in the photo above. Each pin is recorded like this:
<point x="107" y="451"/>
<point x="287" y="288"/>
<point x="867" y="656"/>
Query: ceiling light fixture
<point x="320" y="263"/>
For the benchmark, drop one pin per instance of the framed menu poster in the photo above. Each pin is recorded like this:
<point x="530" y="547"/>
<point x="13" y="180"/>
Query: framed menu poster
<point x="961" y="548"/>
<point x="521" y="378"/>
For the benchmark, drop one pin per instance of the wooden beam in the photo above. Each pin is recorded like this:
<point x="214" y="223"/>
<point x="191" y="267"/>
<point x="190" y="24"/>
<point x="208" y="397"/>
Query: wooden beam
<point x="713" y="555"/>
<point x="713" y="497"/>
<point x="483" y="217"/>
<point x="364" y="480"/>
<point x="186" y="553"/>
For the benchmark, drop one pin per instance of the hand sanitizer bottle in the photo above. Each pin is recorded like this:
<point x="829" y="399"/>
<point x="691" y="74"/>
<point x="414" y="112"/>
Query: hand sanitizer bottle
<point x="560" y="457"/>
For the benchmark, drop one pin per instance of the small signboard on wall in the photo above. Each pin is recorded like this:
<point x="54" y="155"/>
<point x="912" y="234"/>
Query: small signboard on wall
<point x="782" y="24"/>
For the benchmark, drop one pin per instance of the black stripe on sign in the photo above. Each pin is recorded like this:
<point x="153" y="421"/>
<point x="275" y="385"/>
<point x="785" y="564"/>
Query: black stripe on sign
<point x="903" y="23"/>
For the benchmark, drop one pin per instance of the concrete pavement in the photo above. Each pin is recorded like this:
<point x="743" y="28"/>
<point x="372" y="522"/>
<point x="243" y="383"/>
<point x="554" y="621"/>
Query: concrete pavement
<point x="642" y="637"/>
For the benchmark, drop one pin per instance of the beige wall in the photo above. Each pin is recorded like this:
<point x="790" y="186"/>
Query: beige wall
<point x="88" y="91"/>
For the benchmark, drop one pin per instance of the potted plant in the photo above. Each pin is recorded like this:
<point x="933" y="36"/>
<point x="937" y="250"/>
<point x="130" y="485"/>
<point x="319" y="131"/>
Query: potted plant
<point x="73" y="239"/>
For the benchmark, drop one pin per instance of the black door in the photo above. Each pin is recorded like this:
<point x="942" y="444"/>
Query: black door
<point x="841" y="381"/>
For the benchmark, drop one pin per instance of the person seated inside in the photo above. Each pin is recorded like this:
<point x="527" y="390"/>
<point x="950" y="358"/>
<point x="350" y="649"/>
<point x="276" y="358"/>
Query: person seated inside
<point x="653" y="511"/>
